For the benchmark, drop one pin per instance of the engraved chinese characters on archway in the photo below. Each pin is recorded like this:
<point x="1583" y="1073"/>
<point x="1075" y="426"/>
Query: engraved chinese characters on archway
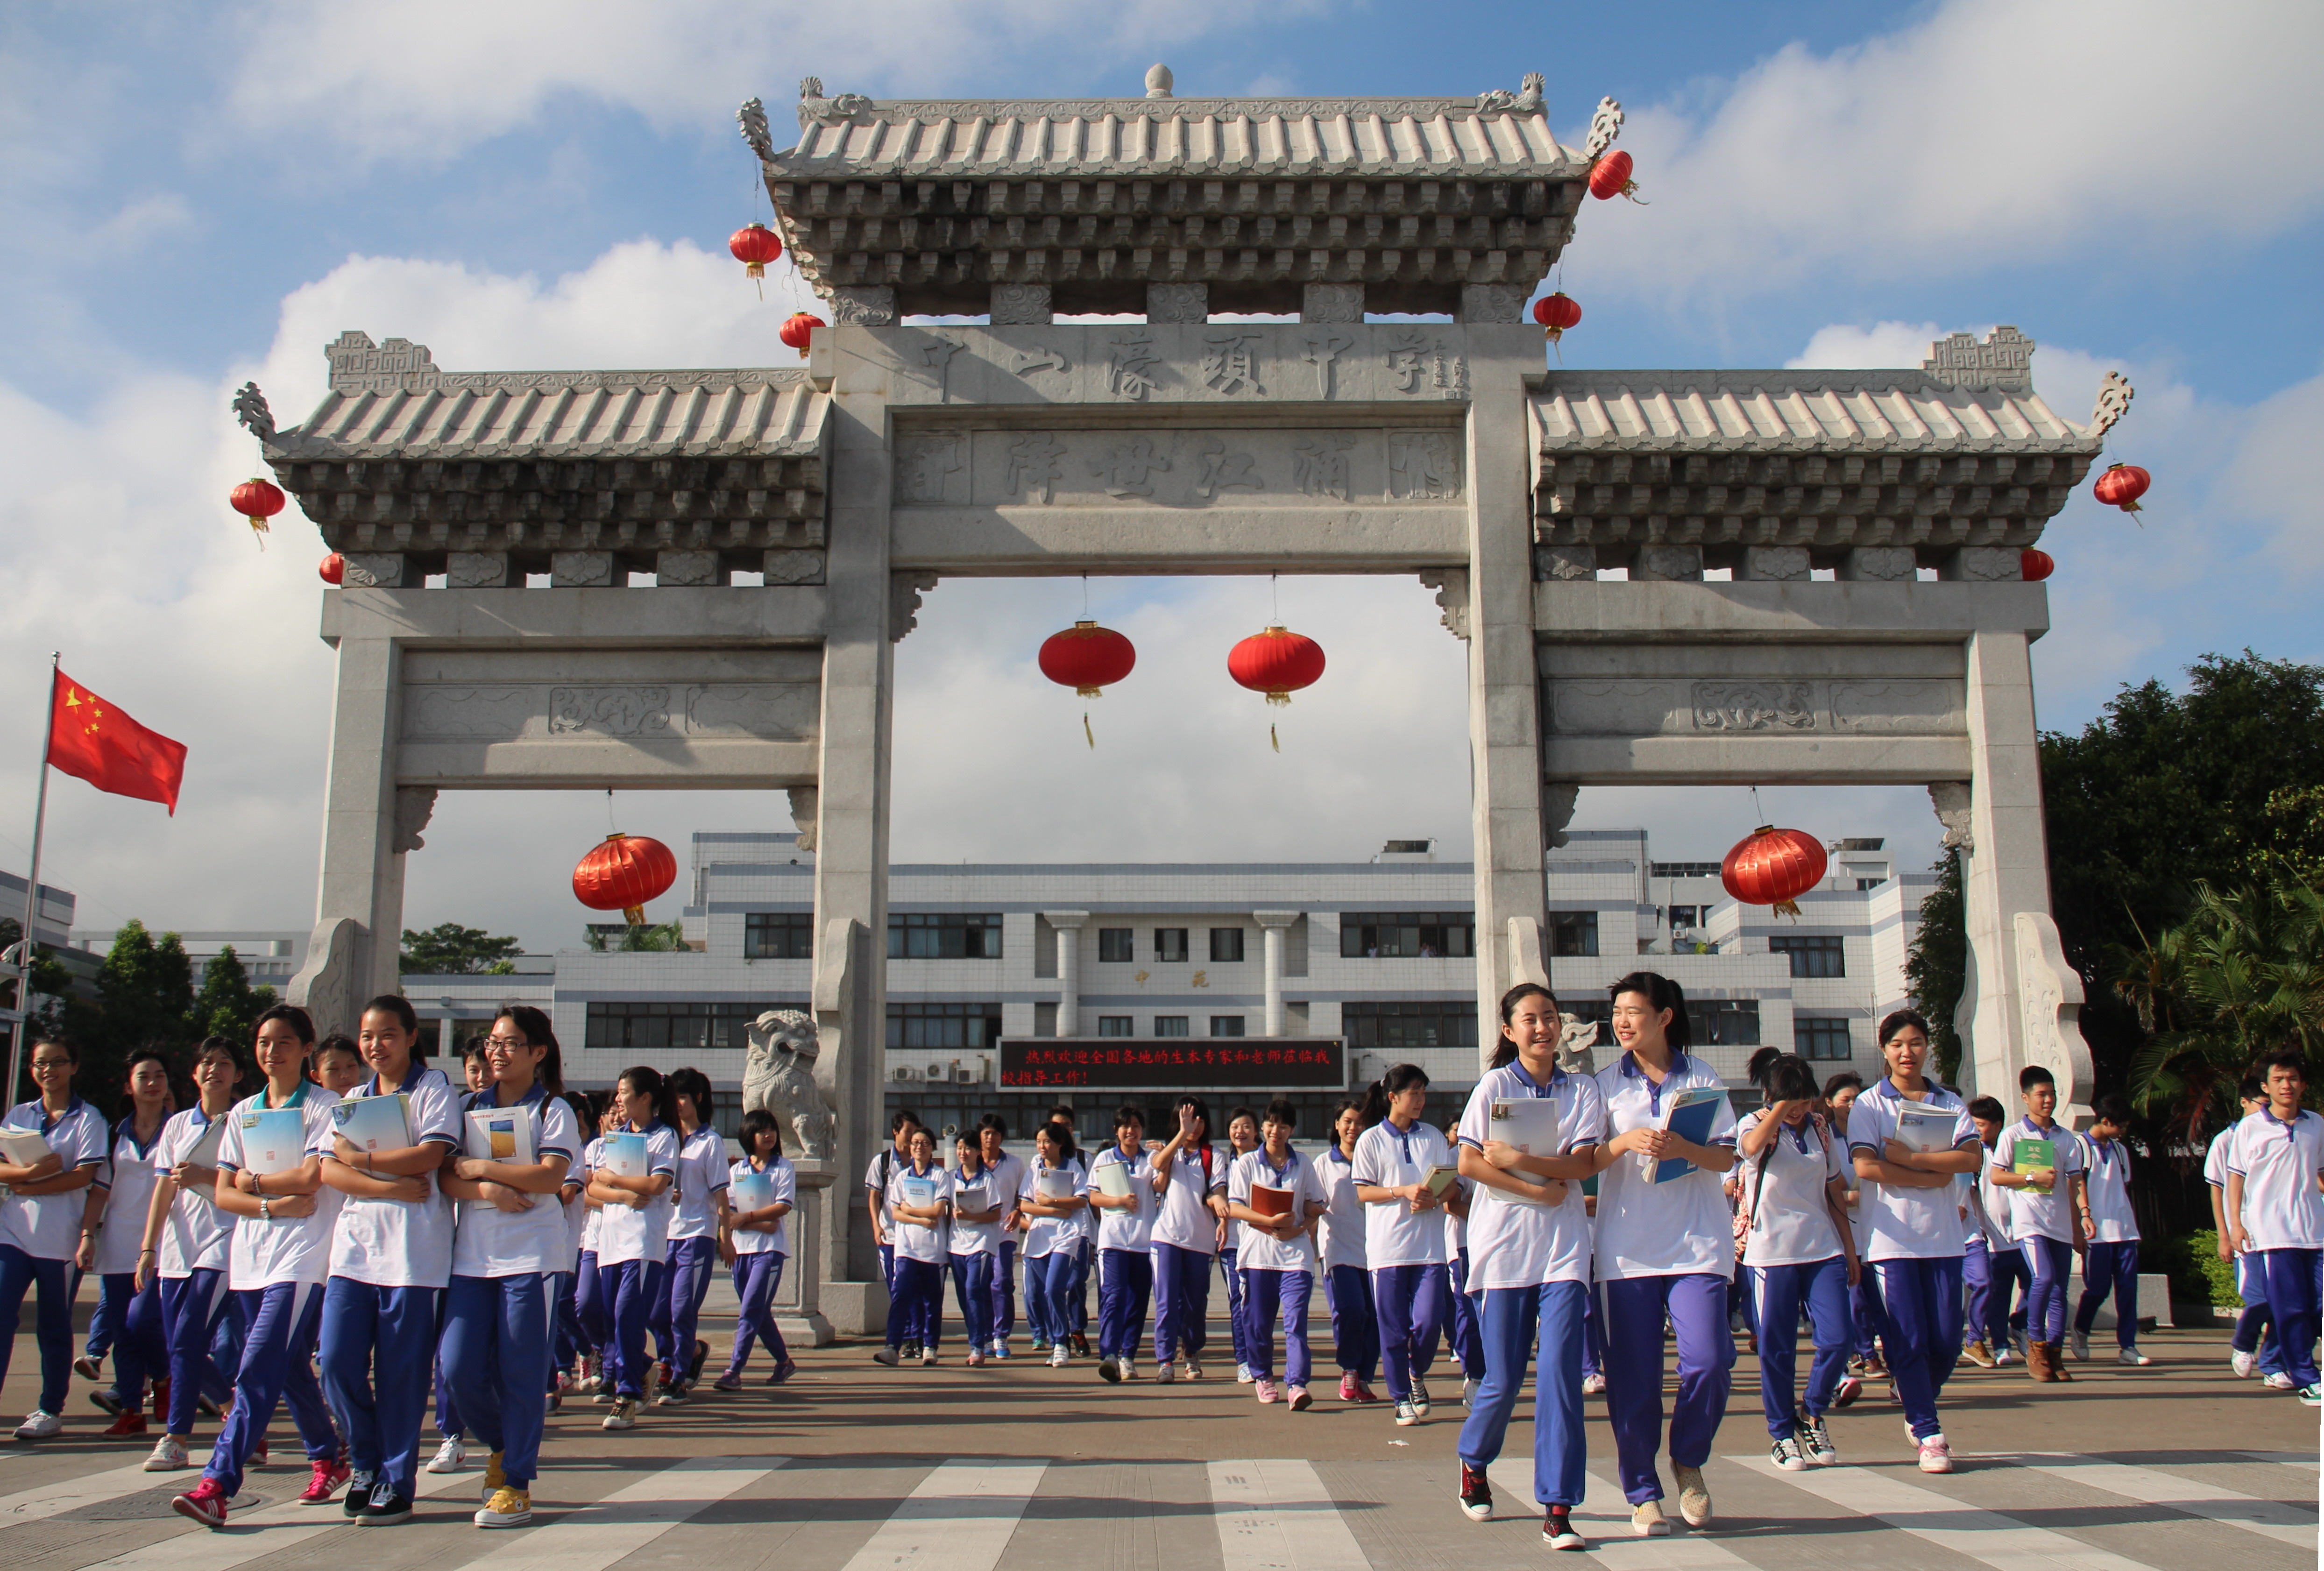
<point x="1182" y="468"/>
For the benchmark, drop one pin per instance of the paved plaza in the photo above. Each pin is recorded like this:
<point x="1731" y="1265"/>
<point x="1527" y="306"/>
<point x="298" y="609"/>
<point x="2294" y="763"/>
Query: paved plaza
<point x="856" y="1468"/>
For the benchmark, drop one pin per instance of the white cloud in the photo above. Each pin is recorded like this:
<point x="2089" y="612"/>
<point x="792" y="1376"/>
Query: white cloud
<point x="1852" y="346"/>
<point x="1992" y="132"/>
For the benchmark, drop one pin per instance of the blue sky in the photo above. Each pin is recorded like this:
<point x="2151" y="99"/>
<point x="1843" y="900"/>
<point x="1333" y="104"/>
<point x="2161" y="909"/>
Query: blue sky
<point x="195" y="194"/>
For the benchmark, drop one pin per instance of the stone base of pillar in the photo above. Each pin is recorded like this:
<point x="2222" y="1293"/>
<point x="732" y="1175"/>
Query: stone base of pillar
<point x="856" y="1308"/>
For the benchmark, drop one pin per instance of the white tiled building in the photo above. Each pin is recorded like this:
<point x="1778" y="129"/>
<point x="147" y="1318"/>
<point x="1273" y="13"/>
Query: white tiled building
<point x="1373" y="954"/>
<point x="271" y="956"/>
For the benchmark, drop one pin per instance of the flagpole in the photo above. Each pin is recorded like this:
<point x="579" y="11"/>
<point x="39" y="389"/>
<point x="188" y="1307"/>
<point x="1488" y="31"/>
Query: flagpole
<point x="33" y="891"/>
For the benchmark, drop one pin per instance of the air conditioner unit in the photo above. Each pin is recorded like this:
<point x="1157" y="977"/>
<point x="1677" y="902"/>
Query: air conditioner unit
<point x="939" y="1072"/>
<point x="903" y="1074"/>
<point x="968" y="1074"/>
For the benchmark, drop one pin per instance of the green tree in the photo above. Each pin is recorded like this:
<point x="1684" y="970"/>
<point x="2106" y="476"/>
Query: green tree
<point x="1936" y="967"/>
<point x="449" y="950"/>
<point x="227" y="1006"/>
<point x="145" y="996"/>
<point x="646" y="938"/>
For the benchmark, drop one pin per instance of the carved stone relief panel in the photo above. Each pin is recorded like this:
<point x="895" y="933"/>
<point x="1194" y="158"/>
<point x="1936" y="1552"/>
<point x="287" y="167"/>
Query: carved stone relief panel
<point x="1808" y="691"/>
<point x="476" y="570"/>
<point x="367" y="570"/>
<point x="1021" y="303"/>
<point x="523" y="696"/>
<point x="1181" y="468"/>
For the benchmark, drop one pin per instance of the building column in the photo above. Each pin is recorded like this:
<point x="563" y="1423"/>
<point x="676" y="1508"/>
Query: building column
<point x="1069" y="968"/>
<point x="1273" y="925"/>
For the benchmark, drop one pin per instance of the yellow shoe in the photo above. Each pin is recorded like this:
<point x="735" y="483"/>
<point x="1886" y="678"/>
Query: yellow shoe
<point x="508" y="1507"/>
<point x="496" y="1480"/>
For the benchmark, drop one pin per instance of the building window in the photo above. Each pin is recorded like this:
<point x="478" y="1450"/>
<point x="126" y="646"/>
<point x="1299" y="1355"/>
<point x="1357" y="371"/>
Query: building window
<point x="1682" y="870"/>
<point x="1392" y="1026"/>
<point x="1573" y="933"/>
<point x="943" y="1027"/>
<point x="943" y="936"/>
<point x="1170" y="944"/>
<point x="1725" y="1022"/>
<point x="1407" y="935"/>
<point x="1116" y="946"/>
<point x="1864" y="883"/>
<point x="1170" y="1025"/>
<point x="1825" y="1038"/>
<point x="1113" y="1025"/>
<point x="778" y="935"/>
<point x="1813" y="954"/>
<point x="1226" y="946"/>
<point x="1685" y="916"/>
<point x="677" y="1028"/>
<point x="1226" y="1025"/>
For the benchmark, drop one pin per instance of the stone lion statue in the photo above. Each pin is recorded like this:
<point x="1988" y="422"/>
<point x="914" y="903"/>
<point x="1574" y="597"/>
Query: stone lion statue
<point x="1576" y="1039"/>
<point x="778" y="1075"/>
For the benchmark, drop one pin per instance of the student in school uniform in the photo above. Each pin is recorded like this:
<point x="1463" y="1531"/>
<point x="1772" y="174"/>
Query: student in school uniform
<point x="1912" y="1217"/>
<point x="1404" y="1231"/>
<point x="2252" y="1346"/>
<point x="895" y="1154"/>
<point x="390" y="1261"/>
<point x="1992" y="1265"/>
<point x="568" y="1343"/>
<point x="1125" y="1241"/>
<point x="590" y="1305"/>
<point x="181" y="1266"/>
<point x="1243" y="1138"/>
<point x="2111" y="1225"/>
<point x="1347" y="1267"/>
<point x="1840" y="1095"/>
<point x="41" y="1222"/>
<point x="2045" y="1212"/>
<point x="692" y="1257"/>
<point x="1086" y="1246"/>
<point x="1277" y="1260"/>
<point x="1462" y="1333"/>
<point x="753" y="1242"/>
<point x="916" y="1301"/>
<point x="1008" y="1177"/>
<point x="1192" y="1184"/>
<point x="972" y="1241"/>
<point x="1529" y="1249"/>
<point x="117" y="1213"/>
<point x="278" y="1263"/>
<point x="452" y="1456"/>
<point x="1052" y="1236"/>
<point x="512" y="1242"/>
<point x="1800" y="1254"/>
<point x="337" y="1065"/>
<point x="2274" y="1210"/>
<point x="633" y="1231"/>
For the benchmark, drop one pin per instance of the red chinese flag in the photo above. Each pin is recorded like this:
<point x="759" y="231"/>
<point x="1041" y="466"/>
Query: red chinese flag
<point x="95" y="740"/>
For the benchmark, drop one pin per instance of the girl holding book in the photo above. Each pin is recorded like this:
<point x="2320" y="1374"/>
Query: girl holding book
<point x="761" y="1187"/>
<point x="187" y="1241"/>
<point x="1461" y="1333"/>
<point x="117" y="1213"/>
<point x="919" y="1195"/>
<point x="1125" y="1239"/>
<point x="1665" y="1246"/>
<point x="1243" y="1138"/>
<point x="1052" y="1203"/>
<point x="1347" y="1273"/>
<point x="1402" y="1169"/>
<point x="974" y="1242"/>
<point x="1909" y="1138"/>
<point x="632" y="1192"/>
<point x="1529" y="1255"/>
<point x="590" y="1305"/>
<point x="1191" y="1185"/>
<point x="572" y="1341"/>
<point x="1277" y="1260"/>
<point x="693" y="1242"/>
<point x="271" y="1180"/>
<point x="391" y="1259"/>
<point x="43" y="1222"/>
<point x="521" y="1139"/>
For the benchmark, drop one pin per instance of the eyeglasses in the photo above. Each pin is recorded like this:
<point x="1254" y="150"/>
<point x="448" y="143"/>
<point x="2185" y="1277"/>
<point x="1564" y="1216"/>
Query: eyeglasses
<point x="506" y="1042"/>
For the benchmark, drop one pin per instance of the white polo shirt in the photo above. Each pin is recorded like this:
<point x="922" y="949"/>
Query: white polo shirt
<point x="1009" y="1171"/>
<point x="627" y="1233"/>
<point x="2032" y="1215"/>
<point x="197" y="1235"/>
<point x="403" y="1243"/>
<point x="1647" y="1229"/>
<point x="1388" y="1158"/>
<point x="2279" y="1162"/>
<point x="130" y="1177"/>
<point x="1515" y="1242"/>
<point x="1126" y="1229"/>
<point x="882" y="1168"/>
<point x="593" y="1157"/>
<point x="1895" y="1223"/>
<point x="978" y="1191"/>
<point x="1044" y="1234"/>
<point x="1184" y="1221"/>
<point x="47" y="1226"/>
<point x="286" y="1249"/>
<point x="491" y="1243"/>
<point x="2107" y="1171"/>
<point x="783" y="1180"/>
<point x="1343" y="1222"/>
<point x="1263" y="1251"/>
<point x="918" y="1240"/>
<point x="1784" y="1191"/>
<point x="701" y="1174"/>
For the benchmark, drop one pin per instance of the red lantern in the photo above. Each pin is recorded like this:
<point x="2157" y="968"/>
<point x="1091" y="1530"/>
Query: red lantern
<point x="1556" y="313"/>
<point x="1086" y="658"/>
<point x="2122" y="486"/>
<point x="1610" y="178"/>
<point x="257" y="500"/>
<point x="1774" y="867"/>
<point x="622" y="874"/>
<point x="1275" y="663"/>
<point x="2034" y="565"/>
<point x="754" y="246"/>
<point x="798" y="330"/>
<point x="333" y="568"/>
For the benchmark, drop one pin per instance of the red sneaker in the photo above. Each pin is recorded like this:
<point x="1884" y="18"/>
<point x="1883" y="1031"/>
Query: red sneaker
<point x="258" y="1454"/>
<point x="329" y="1475"/>
<point x="161" y="1400"/>
<point x="205" y="1503"/>
<point x="130" y="1422"/>
<point x="1365" y="1393"/>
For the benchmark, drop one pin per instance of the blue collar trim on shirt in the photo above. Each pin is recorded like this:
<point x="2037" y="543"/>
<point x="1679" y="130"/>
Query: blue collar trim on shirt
<point x="297" y="1098"/>
<point x="1557" y="1078"/>
<point x="413" y="1078"/>
<point x="1679" y="1066"/>
<point x="48" y="1124"/>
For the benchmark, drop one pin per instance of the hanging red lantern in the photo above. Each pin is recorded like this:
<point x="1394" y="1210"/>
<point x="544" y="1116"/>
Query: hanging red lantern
<point x="2122" y="486"/>
<point x="257" y="500"/>
<point x="1278" y="663"/>
<point x="2034" y="565"/>
<point x="622" y="874"/>
<point x="1774" y="867"/>
<point x="1610" y="178"/>
<point x="1087" y="658"/>
<point x="798" y="330"/>
<point x="1556" y="313"/>
<point x="333" y="568"/>
<point x="754" y="246"/>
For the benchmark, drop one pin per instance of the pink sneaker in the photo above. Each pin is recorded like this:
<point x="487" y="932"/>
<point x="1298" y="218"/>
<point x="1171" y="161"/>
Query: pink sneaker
<point x="1347" y="1388"/>
<point x="1266" y="1392"/>
<point x="1936" y="1456"/>
<point x="205" y="1503"/>
<point x="1300" y="1400"/>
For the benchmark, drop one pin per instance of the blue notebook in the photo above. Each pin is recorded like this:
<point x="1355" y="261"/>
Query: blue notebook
<point x="374" y="1124"/>
<point x="274" y="1139"/>
<point x="751" y="1192"/>
<point x="1689" y="1117"/>
<point x="625" y="1155"/>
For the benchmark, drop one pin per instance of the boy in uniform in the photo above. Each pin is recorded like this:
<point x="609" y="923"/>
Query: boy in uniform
<point x="2112" y="1227"/>
<point x="2276" y="1209"/>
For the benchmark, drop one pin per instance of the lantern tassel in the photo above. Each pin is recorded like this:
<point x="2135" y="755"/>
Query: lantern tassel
<point x="635" y="915"/>
<point x="1786" y="908"/>
<point x="1087" y="732"/>
<point x="259" y="531"/>
<point x="1271" y="741"/>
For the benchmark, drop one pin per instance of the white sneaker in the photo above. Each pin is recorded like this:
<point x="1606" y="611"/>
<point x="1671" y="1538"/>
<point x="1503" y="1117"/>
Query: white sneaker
<point x="623" y="1414"/>
<point x="1694" y="1495"/>
<point x="40" y="1423"/>
<point x="1815" y="1440"/>
<point x="2278" y="1381"/>
<point x="450" y="1457"/>
<point x="1593" y="1385"/>
<point x="1243" y="1375"/>
<point x="2081" y="1342"/>
<point x="1936" y="1456"/>
<point x="1128" y="1369"/>
<point x="169" y="1457"/>
<point x="1164" y="1372"/>
<point x="2134" y="1357"/>
<point x="2242" y="1363"/>
<point x="1786" y="1454"/>
<point x="1057" y="1356"/>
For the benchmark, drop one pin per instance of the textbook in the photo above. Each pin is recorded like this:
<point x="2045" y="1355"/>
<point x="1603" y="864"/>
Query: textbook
<point x="751" y="1192"/>
<point x="625" y="1155"/>
<point x="373" y="1123"/>
<point x="2032" y="1156"/>
<point x="1439" y="1179"/>
<point x="203" y="1152"/>
<point x="1923" y="1128"/>
<point x="1528" y="1123"/>
<point x="973" y="1196"/>
<point x="1056" y="1184"/>
<point x="1689" y="1117"/>
<point x="1113" y="1180"/>
<point x="919" y="1193"/>
<point x="274" y="1139"/>
<point x="1270" y="1202"/>
<point x="501" y="1135"/>
<point x="23" y="1146"/>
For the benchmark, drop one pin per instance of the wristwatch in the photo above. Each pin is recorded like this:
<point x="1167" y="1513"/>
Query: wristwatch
<point x="266" y="1209"/>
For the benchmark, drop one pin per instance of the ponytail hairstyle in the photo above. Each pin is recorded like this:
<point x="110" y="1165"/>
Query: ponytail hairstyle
<point x="1785" y="1077"/>
<point x="1762" y="1062"/>
<point x="532" y="1024"/>
<point x="694" y="1085"/>
<point x="645" y="1080"/>
<point x="1661" y="994"/>
<point x="1505" y="1051"/>
<point x="1399" y="1078"/>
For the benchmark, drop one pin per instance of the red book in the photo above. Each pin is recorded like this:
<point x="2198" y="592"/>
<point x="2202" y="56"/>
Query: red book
<point x="92" y="740"/>
<point x="1269" y="1202"/>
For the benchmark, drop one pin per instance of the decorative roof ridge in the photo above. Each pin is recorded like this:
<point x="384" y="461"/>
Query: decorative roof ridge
<point x="896" y="109"/>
